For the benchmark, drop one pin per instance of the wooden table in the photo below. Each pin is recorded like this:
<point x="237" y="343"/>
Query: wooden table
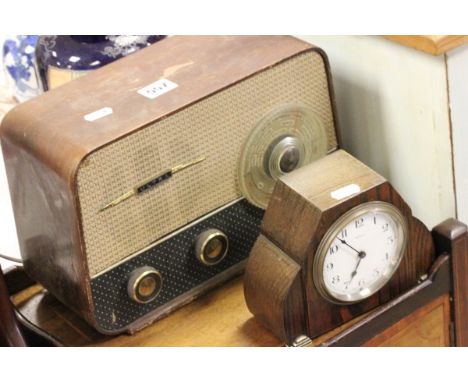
<point x="221" y="318"/>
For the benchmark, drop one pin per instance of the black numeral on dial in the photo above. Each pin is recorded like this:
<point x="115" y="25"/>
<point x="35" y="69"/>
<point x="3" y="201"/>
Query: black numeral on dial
<point x="336" y="279"/>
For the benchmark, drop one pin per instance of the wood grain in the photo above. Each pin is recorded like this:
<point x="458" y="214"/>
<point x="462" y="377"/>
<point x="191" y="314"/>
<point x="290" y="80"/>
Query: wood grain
<point x="222" y="319"/>
<point x="301" y="199"/>
<point x="61" y="138"/>
<point x="300" y="212"/>
<point x="219" y="318"/>
<point x="451" y="236"/>
<point x="433" y="44"/>
<point x="273" y="291"/>
<point x="427" y="326"/>
<point x="437" y="283"/>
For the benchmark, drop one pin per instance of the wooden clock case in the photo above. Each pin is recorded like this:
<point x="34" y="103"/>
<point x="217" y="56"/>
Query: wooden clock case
<point x="279" y="288"/>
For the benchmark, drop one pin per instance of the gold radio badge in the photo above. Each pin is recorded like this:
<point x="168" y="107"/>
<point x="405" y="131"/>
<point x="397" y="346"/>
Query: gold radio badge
<point x="152" y="182"/>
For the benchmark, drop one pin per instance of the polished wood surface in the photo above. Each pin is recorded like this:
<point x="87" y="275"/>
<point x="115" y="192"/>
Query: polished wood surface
<point x="437" y="283"/>
<point x="428" y="326"/>
<point x="273" y="290"/>
<point x="221" y="318"/>
<point x="279" y="286"/>
<point x="451" y="236"/>
<point x="61" y="138"/>
<point x="433" y="44"/>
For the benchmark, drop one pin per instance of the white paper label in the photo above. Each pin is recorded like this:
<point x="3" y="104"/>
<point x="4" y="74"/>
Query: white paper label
<point x="157" y="88"/>
<point x="98" y="114"/>
<point x="345" y="191"/>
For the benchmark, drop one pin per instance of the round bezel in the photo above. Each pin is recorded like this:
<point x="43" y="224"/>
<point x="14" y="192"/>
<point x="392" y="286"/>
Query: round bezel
<point x="202" y="242"/>
<point x="320" y="255"/>
<point x="137" y="277"/>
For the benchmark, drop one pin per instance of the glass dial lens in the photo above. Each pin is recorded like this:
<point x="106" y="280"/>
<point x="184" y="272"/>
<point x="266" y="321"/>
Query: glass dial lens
<point x="286" y="138"/>
<point x="361" y="252"/>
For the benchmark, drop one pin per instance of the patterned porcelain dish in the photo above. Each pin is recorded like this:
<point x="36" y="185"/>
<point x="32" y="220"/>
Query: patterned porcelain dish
<point x="63" y="58"/>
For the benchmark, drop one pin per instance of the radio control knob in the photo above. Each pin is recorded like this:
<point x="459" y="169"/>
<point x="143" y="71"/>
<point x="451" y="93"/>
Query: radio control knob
<point x="144" y="284"/>
<point x="211" y="246"/>
<point x="283" y="156"/>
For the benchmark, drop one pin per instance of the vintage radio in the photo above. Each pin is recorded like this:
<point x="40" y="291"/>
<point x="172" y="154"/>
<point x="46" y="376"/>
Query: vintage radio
<point x="143" y="184"/>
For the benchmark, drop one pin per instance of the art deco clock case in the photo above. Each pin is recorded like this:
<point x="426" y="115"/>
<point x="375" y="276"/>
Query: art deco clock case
<point x="336" y="241"/>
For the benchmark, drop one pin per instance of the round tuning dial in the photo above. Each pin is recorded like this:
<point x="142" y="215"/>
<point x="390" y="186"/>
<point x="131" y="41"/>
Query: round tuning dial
<point x="286" y="138"/>
<point x="211" y="247"/>
<point x="144" y="284"/>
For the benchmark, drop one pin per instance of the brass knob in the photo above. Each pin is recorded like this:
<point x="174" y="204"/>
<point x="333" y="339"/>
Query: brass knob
<point x="211" y="246"/>
<point x="144" y="284"/>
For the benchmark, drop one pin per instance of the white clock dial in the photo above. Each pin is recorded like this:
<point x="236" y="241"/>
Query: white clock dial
<point x="360" y="252"/>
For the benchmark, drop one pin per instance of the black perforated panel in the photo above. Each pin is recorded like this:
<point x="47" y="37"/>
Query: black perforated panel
<point x="176" y="261"/>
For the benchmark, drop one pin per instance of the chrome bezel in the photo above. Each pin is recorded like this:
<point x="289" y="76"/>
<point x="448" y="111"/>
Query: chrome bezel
<point x="278" y="149"/>
<point x="203" y="240"/>
<point x="135" y="279"/>
<point x="336" y="228"/>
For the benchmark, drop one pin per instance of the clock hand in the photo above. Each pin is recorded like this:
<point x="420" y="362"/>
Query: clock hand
<point x="361" y="254"/>
<point x="345" y="243"/>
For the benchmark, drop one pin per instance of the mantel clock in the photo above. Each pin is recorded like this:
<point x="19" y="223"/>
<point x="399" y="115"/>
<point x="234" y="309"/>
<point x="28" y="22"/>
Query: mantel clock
<point x="336" y="241"/>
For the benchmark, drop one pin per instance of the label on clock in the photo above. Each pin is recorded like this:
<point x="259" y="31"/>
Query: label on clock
<point x="157" y="88"/>
<point x="345" y="191"/>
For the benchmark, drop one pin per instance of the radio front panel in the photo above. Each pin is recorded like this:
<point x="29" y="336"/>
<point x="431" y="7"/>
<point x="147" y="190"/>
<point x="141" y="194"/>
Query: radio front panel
<point x="214" y="129"/>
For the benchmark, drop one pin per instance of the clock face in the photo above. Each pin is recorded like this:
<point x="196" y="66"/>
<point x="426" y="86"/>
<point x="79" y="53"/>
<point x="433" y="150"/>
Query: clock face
<point x="360" y="252"/>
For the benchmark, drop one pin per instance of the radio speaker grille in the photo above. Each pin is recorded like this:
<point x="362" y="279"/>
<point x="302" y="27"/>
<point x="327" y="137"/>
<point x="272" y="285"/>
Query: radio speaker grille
<point x="215" y="127"/>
